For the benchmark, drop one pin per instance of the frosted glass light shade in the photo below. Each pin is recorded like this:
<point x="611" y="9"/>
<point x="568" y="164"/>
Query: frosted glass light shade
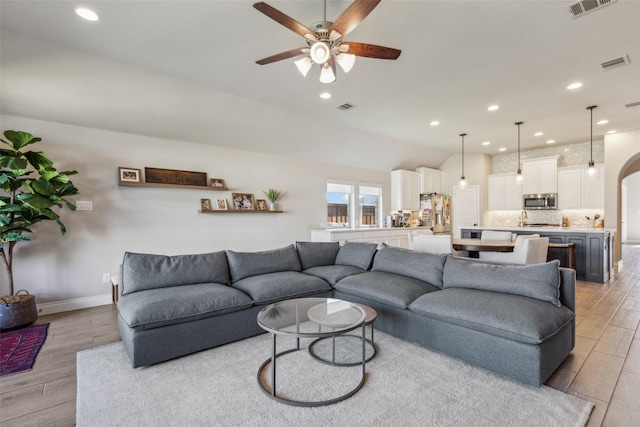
<point x="592" y="171"/>
<point x="320" y="52"/>
<point x="304" y="65"/>
<point x="519" y="178"/>
<point x="346" y="61"/>
<point x="463" y="182"/>
<point x="326" y="75"/>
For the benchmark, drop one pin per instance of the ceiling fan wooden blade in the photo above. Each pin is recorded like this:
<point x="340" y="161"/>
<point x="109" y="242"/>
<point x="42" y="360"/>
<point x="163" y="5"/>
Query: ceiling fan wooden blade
<point x="282" y="55"/>
<point x="353" y="15"/>
<point x="282" y="19"/>
<point x="372" y="50"/>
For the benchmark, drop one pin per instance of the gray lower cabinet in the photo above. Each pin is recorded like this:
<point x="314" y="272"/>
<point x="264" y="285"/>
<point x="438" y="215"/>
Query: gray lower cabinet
<point x="593" y="251"/>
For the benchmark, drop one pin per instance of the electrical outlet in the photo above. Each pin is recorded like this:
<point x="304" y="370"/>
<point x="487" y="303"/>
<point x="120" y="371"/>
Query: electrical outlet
<point x="84" y="205"/>
<point x="106" y="278"/>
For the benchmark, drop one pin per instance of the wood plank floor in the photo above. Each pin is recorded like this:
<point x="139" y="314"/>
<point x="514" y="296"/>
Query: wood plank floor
<point x="604" y="367"/>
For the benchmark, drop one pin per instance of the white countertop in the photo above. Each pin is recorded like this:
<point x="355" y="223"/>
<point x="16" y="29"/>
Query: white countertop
<point x="547" y="229"/>
<point x="360" y="229"/>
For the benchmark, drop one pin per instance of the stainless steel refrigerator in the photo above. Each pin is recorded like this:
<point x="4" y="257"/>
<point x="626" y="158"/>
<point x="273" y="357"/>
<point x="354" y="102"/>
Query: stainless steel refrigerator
<point x="435" y="212"/>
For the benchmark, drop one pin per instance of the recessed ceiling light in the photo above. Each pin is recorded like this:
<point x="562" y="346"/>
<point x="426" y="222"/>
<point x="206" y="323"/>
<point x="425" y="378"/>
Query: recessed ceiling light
<point x="87" y="14"/>
<point x="575" y="85"/>
<point x="538" y="134"/>
<point x="434" y="123"/>
<point x="502" y="149"/>
<point x="325" y="95"/>
<point x="486" y="143"/>
<point x="612" y="131"/>
<point x="602" y="122"/>
<point x="551" y="141"/>
<point x="493" y="107"/>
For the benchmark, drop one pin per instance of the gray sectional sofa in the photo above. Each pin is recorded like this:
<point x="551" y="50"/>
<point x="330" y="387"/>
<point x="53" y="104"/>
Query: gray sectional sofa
<point x="516" y="320"/>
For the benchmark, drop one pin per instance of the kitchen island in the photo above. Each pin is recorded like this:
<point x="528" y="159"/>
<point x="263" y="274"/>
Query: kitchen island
<point x="593" y="247"/>
<point x="392" y="236"/>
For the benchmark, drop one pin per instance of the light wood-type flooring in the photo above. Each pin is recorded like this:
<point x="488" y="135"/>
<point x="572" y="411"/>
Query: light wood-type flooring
<point x="604" y="367"/>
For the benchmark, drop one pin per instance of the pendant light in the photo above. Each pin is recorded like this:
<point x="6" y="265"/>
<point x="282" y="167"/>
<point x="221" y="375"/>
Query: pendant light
<point x="519" y="177"/>
<point x="463" y="181"/>
<point x="592" y="171"/>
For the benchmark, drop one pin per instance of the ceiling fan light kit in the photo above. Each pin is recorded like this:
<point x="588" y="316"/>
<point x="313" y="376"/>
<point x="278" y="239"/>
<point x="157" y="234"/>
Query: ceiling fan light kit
<point x="325" y="40"/>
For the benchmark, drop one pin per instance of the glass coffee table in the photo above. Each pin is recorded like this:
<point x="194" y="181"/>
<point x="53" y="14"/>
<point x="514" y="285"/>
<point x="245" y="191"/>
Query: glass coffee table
<point x="309" y="318"/>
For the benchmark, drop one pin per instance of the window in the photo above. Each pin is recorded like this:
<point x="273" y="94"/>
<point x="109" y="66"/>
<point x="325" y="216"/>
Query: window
<point x="339" y="204"/>
<point x="369" y="196"/>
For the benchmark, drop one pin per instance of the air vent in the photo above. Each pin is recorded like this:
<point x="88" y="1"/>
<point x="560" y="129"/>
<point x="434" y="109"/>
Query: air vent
<point x="346" y="106"/>
<point x="581" y="7"/>
<point x="621" y="60"/>
<point x="633" y="104"/>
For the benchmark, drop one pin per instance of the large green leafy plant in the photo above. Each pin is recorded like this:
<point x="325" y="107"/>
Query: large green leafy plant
<point x="31" y="189"/>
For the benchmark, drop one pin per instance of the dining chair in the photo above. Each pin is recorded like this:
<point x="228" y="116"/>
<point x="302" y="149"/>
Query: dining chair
<point x="434" y="244"/>
<point x="413" y="233"/>
<point x="527" y="250"/>
<point x="496" y="235"/>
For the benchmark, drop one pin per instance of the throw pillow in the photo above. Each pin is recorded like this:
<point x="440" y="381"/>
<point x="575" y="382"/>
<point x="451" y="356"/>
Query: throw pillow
<point x="247" y="264"/>
<point x="418" y="265"/>
<point x="316" y="254"/>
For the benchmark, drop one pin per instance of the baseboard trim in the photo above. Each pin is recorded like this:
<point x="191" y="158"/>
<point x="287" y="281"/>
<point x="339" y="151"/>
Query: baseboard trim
<point x="73" y="304"/>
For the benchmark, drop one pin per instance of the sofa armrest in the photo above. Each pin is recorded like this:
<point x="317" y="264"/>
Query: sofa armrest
<point x="568" y="288"/>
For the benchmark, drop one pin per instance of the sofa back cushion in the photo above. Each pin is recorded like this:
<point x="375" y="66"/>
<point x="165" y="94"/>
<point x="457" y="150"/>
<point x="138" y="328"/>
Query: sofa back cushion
<point x="356" y="254"/>
<point x="146" y="271"/>
<point x="538" y="281"/>
<point x="317" y="254"/>
<point x="418" y="265"/>
<point x="247" y="264"/>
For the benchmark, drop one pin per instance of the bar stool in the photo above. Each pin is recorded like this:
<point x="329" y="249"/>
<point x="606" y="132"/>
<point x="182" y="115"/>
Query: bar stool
<point x="572" y="252"/>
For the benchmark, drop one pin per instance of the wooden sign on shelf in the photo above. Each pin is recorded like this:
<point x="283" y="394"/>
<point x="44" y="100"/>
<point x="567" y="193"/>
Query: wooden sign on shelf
<point x="175" y="177"/>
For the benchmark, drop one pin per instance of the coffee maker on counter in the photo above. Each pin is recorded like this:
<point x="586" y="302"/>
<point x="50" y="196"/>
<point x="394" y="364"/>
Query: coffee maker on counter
<point x="435" y="212"/>
<point x="399" y="219"/>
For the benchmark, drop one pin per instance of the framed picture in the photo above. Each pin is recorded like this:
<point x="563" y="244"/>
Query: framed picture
<point x="243" y="201"/>
<point x="216" y="182"/>
<point x="205" y="204"/>
<point x="261" y="205"/>
<point x="129" y="175"/>
<point x="221" y="204"/>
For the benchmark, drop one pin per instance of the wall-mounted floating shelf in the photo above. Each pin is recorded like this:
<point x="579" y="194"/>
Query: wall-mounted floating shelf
<point x="182" y="187"/>
<point x="238" y="211"/>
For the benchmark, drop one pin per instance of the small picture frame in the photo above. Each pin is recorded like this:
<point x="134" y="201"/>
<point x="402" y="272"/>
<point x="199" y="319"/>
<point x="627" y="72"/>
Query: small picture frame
<point x="129" y="175"/>
<point x="221" y="205"/>
<point x="243" y="201"/>
<point x="261" y="205"/>
<point x="205" y="204"/>
<point x="216" y="183"/>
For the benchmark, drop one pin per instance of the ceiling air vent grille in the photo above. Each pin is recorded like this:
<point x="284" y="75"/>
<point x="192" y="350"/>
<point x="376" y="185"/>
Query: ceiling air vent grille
<point x="621" y="60"/>
<point x="581" y="7"/>
<point x="346" y="106"/>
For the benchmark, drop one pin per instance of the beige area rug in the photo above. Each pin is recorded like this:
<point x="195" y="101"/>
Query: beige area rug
<point x="406" y="385"/>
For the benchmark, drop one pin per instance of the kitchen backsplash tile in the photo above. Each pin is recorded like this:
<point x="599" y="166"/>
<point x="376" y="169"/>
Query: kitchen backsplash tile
<point x="569" y="155"/>
<point x="577" y="217"/>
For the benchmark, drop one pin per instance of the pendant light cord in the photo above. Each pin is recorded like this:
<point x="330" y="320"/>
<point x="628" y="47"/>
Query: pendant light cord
<point x="591" y="108"/>
<point x="463" y="135"/>
<point x="518" y="124"/>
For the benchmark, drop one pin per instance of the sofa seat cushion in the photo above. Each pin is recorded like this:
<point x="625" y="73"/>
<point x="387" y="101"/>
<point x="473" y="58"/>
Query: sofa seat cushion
<point x="333" y="273"/>
<point x="146" y="271"/>
<point x="398" y="291"/>
<point x="179" y="304"/>
<point x="539" y="281"/>
<point x="247" y="264"/>
<point x="268" y="288"/>
<point x="418" y="265"/>
<point x="514" y="317"/>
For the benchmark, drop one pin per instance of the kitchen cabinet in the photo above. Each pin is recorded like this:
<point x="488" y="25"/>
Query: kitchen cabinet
<point x="576" y="191"/>
<point x="504" y="193"/>
<point x="540" y="175"/>
<point x="405" y="190"/>
<point x="430" y="180"/>
<point x="391" y="236"/>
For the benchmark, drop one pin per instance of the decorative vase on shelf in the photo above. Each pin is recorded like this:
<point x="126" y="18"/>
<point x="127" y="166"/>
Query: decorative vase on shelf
<point x="272" y="195"/>
<point x="273" y="206"/>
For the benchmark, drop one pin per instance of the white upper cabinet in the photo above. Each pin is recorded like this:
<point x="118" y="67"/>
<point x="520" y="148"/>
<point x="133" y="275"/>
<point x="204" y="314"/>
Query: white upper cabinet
<point x="504" y="193"/>
<point x="430" y="180"/>
<point x="540" y="175"/>
<point x="576" y="191"/>
<point x="405" y="190"/>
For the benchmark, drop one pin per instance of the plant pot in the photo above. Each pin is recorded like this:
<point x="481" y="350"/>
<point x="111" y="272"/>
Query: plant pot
<point x="273" y="206"/>
<point x="18" y="310"/>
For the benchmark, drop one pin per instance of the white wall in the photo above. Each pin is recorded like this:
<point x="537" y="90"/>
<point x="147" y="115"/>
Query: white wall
<point x="476" y="169"/>
<point x="163" y="221"/>
<point x="631" y="208"/>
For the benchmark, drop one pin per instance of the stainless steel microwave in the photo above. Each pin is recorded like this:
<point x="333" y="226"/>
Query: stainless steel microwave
<point x="540" y="201"/>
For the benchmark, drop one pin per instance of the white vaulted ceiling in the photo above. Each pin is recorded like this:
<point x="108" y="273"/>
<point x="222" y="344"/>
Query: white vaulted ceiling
<point x="169" y="68"/>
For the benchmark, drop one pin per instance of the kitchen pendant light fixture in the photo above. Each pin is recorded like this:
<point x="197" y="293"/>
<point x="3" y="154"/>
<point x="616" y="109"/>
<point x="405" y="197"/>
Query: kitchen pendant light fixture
<point x="592" y="170"/>
<point x="463" y="181"/>
<point x="519" y="177"/>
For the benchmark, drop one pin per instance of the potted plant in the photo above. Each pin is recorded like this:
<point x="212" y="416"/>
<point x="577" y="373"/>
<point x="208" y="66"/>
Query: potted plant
<point x="272" y="195"/>
<point x="31" y="188"/>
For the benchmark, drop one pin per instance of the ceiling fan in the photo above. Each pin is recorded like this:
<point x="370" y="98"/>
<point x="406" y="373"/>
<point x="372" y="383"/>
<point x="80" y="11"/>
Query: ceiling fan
<point x="325" y="40"/>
